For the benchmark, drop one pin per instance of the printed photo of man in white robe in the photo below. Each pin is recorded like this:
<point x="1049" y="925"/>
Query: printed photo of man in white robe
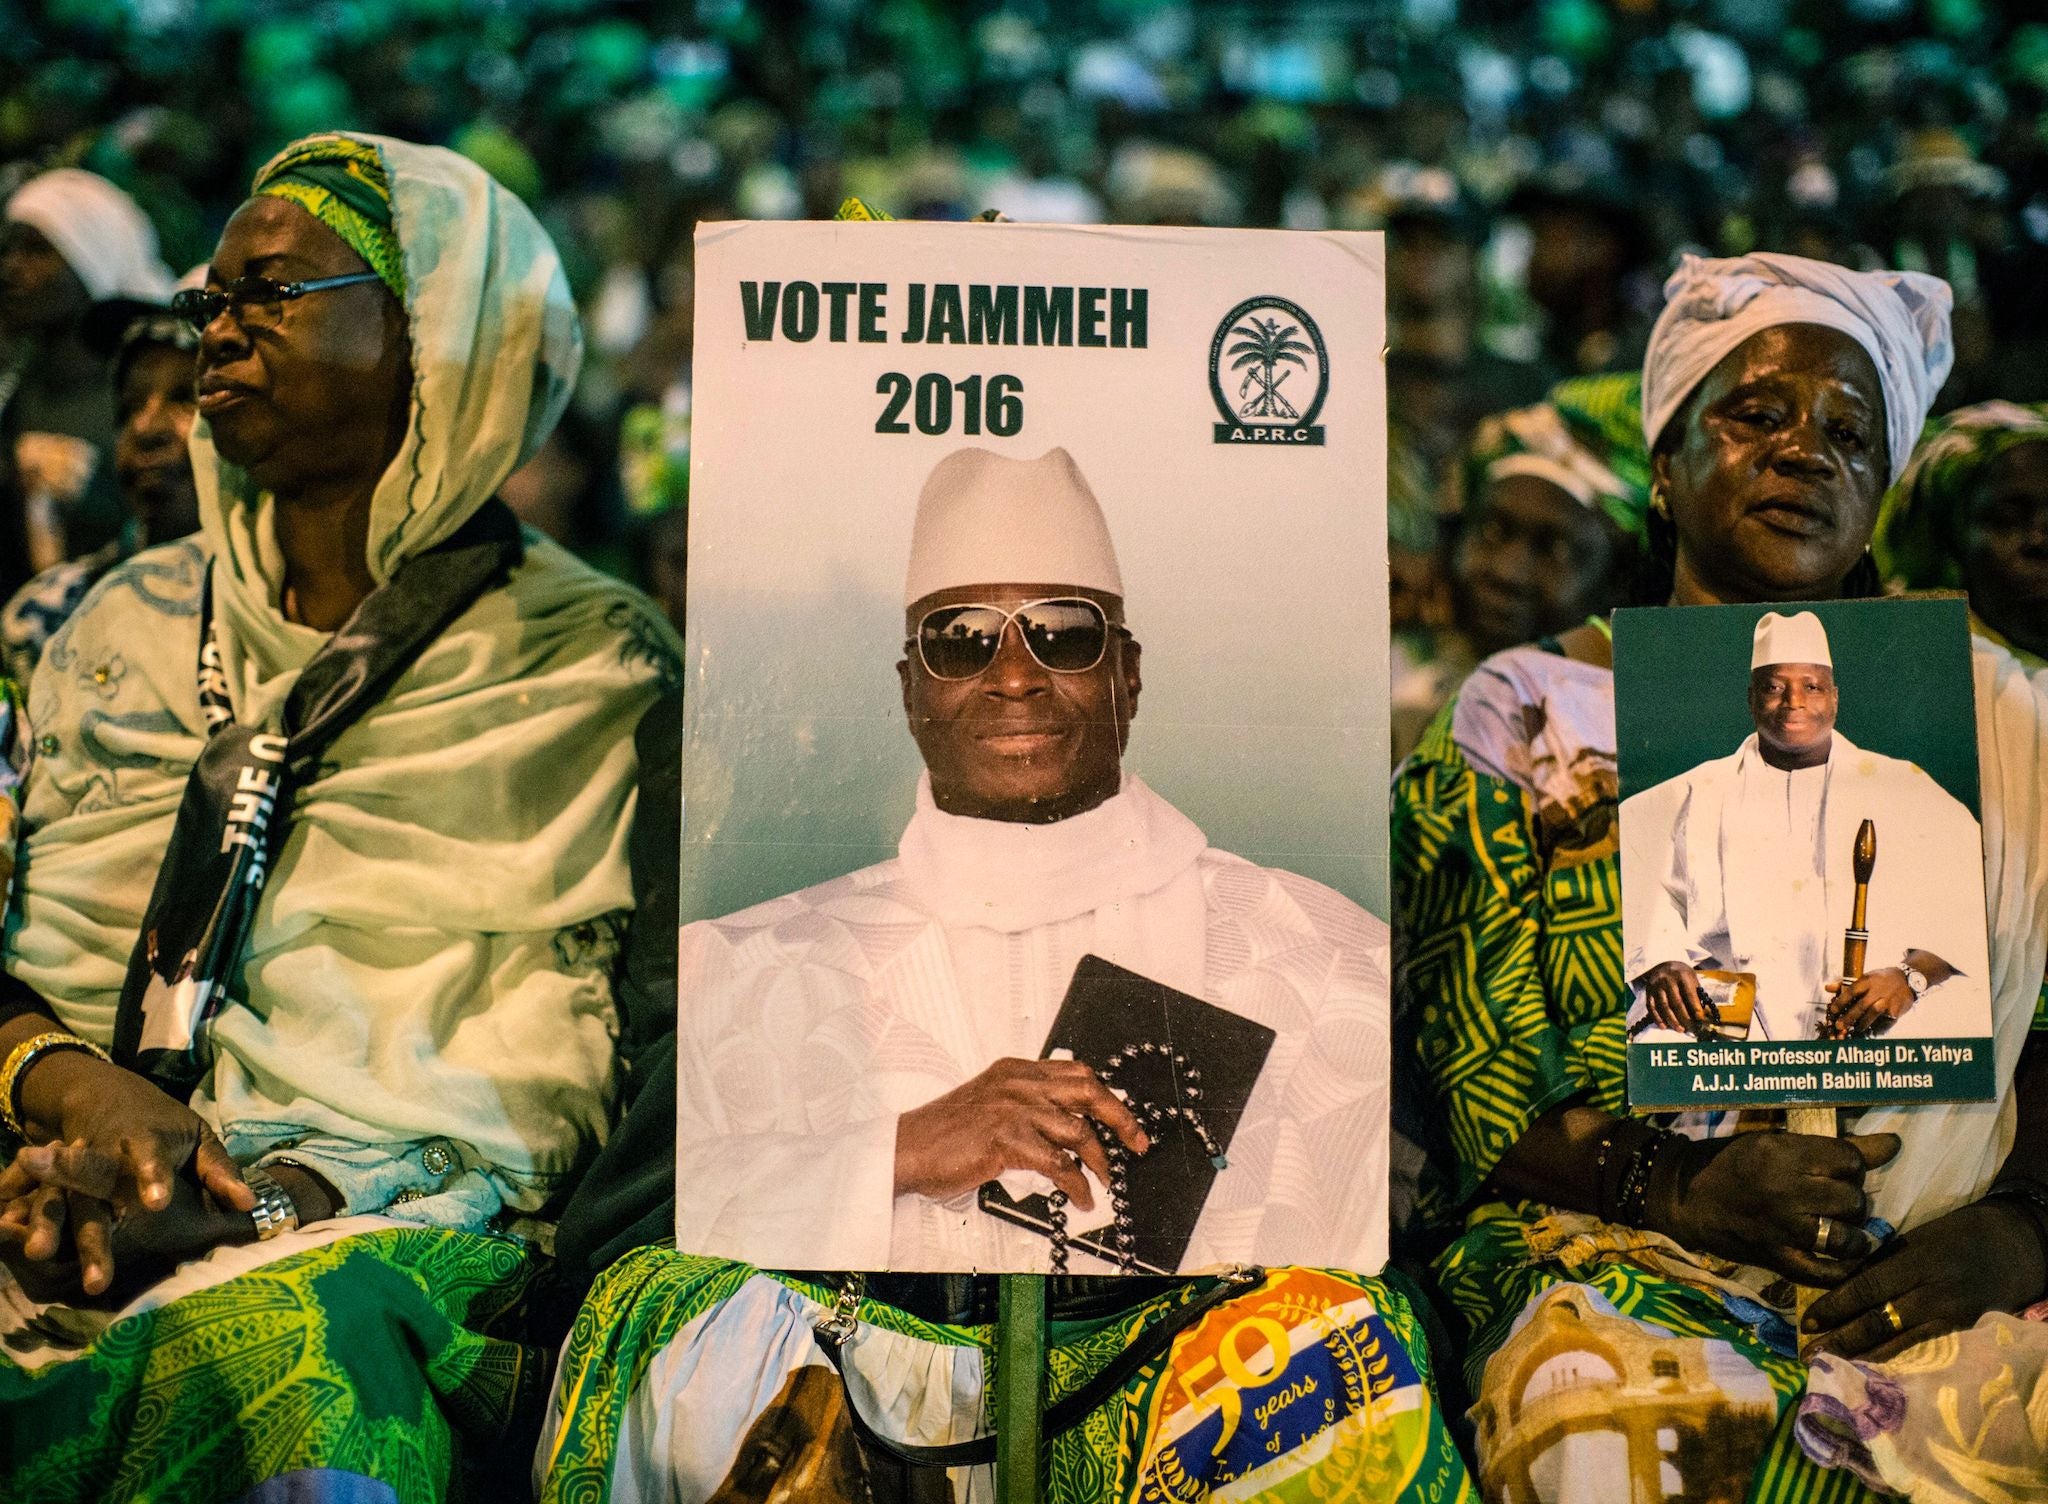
<point x="1754" y="857"/>
<point x="860" y="1058"/>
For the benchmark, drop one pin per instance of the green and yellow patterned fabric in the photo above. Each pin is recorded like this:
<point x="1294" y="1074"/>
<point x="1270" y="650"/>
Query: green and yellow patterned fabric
<point x="382" y="1355"/>
<point x="342" y="183"/>
<point x="861" y="210"/>
<point x="1492" y="1278"/>
<point x="1308" y="1385"/>
<point x="1508" y="914"/>
<point x="1509" y="909"/>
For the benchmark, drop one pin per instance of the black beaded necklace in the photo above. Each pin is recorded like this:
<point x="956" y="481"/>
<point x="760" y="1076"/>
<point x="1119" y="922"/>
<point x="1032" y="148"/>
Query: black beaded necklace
<point x="1155" y="1119"/>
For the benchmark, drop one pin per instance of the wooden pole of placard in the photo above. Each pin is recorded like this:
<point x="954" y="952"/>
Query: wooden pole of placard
<point x="1824" y="1122"/>
<point x="1020" y="1388"/>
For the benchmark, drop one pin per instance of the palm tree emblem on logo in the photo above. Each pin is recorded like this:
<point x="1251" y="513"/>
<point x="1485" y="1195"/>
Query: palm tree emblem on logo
<point x="1272" y="349"/>
<point x="1262" y="348"/>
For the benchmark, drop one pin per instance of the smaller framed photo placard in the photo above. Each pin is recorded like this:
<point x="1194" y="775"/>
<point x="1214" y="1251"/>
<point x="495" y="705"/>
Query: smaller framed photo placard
<point x="1802" y="862"/>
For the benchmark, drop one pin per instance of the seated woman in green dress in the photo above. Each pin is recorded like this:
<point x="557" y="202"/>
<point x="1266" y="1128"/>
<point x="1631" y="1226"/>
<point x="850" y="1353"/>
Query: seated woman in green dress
<point x="1780" y="396"/>
<point x="309" y="993"/>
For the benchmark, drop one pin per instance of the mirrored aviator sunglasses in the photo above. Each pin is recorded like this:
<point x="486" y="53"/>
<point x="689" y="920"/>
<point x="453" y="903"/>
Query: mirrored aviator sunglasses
<point x="1066" y="634"/>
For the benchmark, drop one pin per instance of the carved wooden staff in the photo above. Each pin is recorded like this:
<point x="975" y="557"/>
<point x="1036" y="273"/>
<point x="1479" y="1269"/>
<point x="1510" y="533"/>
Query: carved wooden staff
<point x="1824" y="1121"/>
<point x="1856" y="941"/>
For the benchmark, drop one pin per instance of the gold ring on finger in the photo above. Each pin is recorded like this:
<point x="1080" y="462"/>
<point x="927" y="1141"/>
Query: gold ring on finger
<point x="1891" y="1314"/>
<point x="1820" y="1237"/>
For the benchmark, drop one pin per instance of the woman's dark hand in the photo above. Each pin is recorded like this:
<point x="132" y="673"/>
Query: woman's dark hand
<point x="194" y="1223"/>
<point x="62" y="1242"/>
<point x="39" y="1245"/>
<point x="120" y="1147"/>
<point x="1759" y="1198"/>
<point x="1937" y="1278"/>
<point x="1672" y="991"/>
<point x="125" y="1120"/>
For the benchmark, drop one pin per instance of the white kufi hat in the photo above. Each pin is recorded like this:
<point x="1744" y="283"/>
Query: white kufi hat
<point x="985" y="519"/>
<point x="1789" y="639"/>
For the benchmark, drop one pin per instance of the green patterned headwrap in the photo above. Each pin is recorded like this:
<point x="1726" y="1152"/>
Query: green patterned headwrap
<point x="1918" y="543"/>
<point x="341" y="183"/>
<point x="1586" y="438"/>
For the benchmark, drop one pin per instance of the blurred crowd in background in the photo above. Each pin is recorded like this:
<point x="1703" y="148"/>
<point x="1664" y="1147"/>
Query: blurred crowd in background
<point x="1539" y="166"/>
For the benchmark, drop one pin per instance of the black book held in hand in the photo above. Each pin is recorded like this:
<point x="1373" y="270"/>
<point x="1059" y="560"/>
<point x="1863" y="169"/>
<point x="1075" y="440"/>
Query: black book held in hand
<point x="1113" y="1014"/>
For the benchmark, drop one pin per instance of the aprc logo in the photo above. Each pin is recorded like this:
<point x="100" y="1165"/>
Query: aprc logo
<point x="1269" y="373"/>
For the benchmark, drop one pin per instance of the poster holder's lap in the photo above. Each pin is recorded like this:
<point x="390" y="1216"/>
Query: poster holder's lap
<point x="1016" y="1445"/>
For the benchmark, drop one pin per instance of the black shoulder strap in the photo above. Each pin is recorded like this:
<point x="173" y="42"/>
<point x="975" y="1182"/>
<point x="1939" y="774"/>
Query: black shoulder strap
<point x="237" y="802"/>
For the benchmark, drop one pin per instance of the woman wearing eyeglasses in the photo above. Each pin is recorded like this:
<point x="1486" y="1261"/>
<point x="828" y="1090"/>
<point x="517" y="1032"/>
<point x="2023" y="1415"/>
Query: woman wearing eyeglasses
<point x="1647" y="1267"/>
<point x="309" y="994"/>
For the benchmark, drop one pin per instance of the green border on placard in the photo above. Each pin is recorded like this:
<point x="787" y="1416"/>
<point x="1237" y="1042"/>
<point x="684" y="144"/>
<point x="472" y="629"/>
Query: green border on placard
<point x="1834" y="1073"/>
<point x="1681" y="680"/>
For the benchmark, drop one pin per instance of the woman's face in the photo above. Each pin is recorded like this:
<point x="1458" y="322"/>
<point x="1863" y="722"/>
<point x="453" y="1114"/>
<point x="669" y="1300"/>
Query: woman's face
<point x="309" y="394"/>
<point x="154" y="405"/>
<point x="1530" y="561"/>
<point x="2004" y="545"/>
<point x="38" y="289"/>
<point x="1774" y="467"/>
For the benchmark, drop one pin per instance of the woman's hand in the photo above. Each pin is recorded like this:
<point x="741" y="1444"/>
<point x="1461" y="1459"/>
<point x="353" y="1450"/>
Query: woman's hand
<point x="120" y="1145"/>
<point x="194" y="1223"/>
<point x="1937" y="1278"/>
<point x="61" y="1241"/>
<point x="122" y="1118"/>
<point x="1759" y="1198"/>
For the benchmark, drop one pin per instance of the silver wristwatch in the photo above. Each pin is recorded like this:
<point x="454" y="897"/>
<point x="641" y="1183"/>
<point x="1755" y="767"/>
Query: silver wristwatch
<point x="275" y="1211"/>
<point x="1915" y="979"/>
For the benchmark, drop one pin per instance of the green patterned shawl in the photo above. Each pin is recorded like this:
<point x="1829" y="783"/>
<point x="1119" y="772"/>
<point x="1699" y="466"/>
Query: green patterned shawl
<point x="1591" y="426"/>
<point x="1918" y="542"/>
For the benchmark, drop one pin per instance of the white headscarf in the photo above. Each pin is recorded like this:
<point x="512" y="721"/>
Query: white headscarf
<point x="415" y="971"/>
<point x="1901" y="319"/>
<point x="99" y="231"/>
<point x="481" y="276"/>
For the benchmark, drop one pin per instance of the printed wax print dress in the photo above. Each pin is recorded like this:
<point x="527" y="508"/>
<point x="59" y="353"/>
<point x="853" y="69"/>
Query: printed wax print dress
<point x="701" y="1379"/>
<point x="1598" y="1352"/>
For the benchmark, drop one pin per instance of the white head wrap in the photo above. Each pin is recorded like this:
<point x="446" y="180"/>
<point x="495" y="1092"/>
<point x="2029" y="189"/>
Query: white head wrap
<point x="1901" y="319"/>
<point x="99" y="231"/>
<point x="1550" y="451"/>
<point x="1789" y="639"/>
<point x="985" y="519"/>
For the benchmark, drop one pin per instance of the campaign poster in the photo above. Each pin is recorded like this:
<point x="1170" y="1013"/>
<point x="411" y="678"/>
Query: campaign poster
<point x="1802" y="862"/>
<point x="1034" y="871"/>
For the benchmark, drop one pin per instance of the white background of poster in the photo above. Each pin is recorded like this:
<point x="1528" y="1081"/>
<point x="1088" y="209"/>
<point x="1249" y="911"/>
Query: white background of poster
<point x="1255" y="575"/>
